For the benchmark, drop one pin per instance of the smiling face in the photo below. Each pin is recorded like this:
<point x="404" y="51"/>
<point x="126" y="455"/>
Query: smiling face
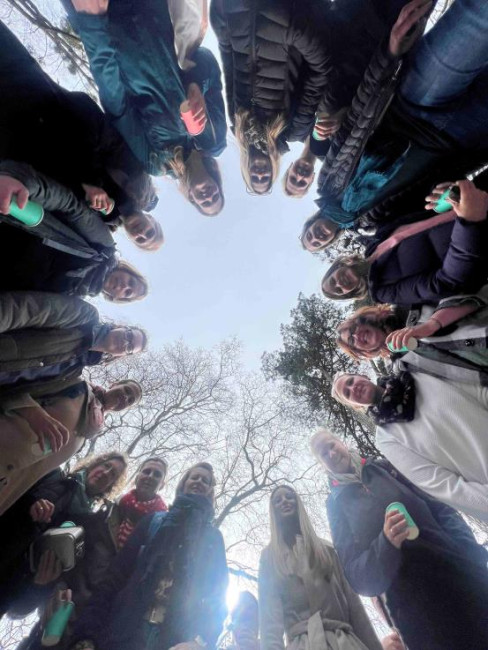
<point x="319" y="235"/>
<point x="199" y="481"/>
<point x="207" y="196"/>
<point x="102" y="477"/>
<point x="123" y="286"/>
<point x="123" y="341"/>
<point x="342" y="281"/>
<point x="364" y="337"/>
<point x="260" y="173"/>
<point x="122" y="395"/>
<point x="334" y="454"/>
<point x="150" y="480"/>
<point x="356" y="390"/>
<point x="284" y="503"/>
<point x="299" y="177"/>
<point x="144" y="231"/>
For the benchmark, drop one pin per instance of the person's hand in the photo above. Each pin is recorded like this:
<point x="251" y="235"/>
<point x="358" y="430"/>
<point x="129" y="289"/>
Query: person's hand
<point x="45" y="427"/>
<point x="54" y="603"/>
<point x="395" y="528"/>
<point x="197" y="105"/>
<point x="10" y="187"/>
<point x="399" y="338"/>
<point x="97" y="198"/>
<point x="42" y="511"/>
<point x="49" y="569"/>
<point x="95" y="7"/>
<point x="409" y="26"/>
<point x="326" y="125"/>
<point x="392" y="642"/>
<point x="472" y="204"/>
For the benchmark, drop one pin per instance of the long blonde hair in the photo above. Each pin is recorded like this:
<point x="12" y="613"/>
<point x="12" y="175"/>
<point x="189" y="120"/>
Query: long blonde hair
<point x="317" y="550"/>
<point x="271" y="131"/>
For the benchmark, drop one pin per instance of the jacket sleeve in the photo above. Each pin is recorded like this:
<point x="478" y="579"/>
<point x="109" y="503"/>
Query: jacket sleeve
<point x="370" y="570"/>
<point x="206" y="74"/>
<point x="219" y="25"/>
<point x="214" y="609"/>
<point x="462" y="270"/>
<point x="63" y="203"/>
<point x="38" y="309"/>
<point x="367" y="109"/>
<point x="320" y="83"/>
<point x="359" y="620"/>
<point x="271" y="620"/>
<point x="92" y="624"/>
<point x="469" y="496"/>
<point x="455" y="526"/>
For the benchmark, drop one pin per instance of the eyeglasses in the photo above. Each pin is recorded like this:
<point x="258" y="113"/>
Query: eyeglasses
<point x="129" y="341"/>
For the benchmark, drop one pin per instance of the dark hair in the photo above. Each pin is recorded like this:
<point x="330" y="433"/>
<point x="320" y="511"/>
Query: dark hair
<point x="124" y="266"/>
<point x="122" y="382"/>
<point x="154" y="459"/>
<point x="360" y="266"/>
<point x="309" y="222"/>
<point x="203" y="465"/>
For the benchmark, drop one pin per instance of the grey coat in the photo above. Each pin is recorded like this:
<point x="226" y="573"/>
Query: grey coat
<point x="287" y="605"/>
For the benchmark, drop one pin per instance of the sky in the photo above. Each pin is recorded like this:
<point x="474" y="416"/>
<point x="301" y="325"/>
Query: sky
<point x="234" y="275"/>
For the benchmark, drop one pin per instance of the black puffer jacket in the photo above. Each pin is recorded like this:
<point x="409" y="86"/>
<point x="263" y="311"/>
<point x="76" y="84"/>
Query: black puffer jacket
<point x="275" y="55"/>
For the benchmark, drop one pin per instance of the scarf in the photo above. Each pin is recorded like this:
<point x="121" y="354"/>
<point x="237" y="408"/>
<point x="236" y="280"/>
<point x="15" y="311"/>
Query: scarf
<point x="397" y="403"/>
<point x="353" y="477"/>
<point x="133" y="510"/>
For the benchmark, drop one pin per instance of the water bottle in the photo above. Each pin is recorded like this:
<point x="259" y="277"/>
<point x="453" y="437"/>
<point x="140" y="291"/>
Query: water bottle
<point x="30" y="215"/>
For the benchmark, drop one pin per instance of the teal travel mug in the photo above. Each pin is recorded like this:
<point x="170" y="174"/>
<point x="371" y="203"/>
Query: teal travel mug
<point x="56" y="625"/>
<point x="413" y="531"/>
<point x="31" y="215"/>
<point x="444" y="206"/>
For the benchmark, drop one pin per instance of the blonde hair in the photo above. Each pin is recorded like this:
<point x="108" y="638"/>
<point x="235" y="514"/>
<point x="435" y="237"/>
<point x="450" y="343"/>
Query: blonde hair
<point x="319" y="553"/>
<point x="272" y="131"/>
<point x="340" y="398"/>
<point x="90" y="462"/>
<point x="203" y="465"/>
<point x="122" y="265"/>
<point x="180" y="169"/>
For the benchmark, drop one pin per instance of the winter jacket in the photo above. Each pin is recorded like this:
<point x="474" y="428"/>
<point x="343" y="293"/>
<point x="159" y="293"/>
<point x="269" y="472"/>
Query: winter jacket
<point x="276" y="59"/>
<point x="117" y="615"/>
<point x="410" y="153"/>
<point x="436" y="263"/>
<point x="134" y="63"/>
<point x="291" y="604"/>
<point x="40" y="329"/>
<point x="435" y="586"/>
<point x="62" y="134"/>
<point x="70" y="251"/>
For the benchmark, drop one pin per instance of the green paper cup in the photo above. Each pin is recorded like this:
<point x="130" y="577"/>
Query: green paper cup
<point x="56" y="625"/>
<point x="442" y="205"/>
<point x="31" y="215"/>
<point x="413" y="531"/>
<point x="412" y="344"/>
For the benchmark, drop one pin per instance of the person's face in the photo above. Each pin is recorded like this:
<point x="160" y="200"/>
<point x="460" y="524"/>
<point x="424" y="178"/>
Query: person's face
<point x="363" y="337"/>
<point x="207" y="195"/>
<point x="198" y="482"/>
<point x="356" y="389"/>
<point x="260" y="173"/>
<point x="122" y="341"/>
<point x="141" y="229"/>
<point x="299" y="177"/>
<point x="121" y="396"/>
<point x="341" y="282"/>
<point x="284" y="503"/>
<point x="120" y="285"/>
<point x="102" y="477"/>
<point x="334" y="454"/>
<point x="319" y="234"/>
<point x="150" y="480"/>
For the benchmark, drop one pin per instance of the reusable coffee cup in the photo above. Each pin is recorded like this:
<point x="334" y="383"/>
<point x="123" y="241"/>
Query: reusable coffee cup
<point x="192" y="126"/>
<point x="413" y="531"/>
<point x="442" y="205"/>
<point x="412" y="344"/>
<point x="31" y="214"/>
<point x="56" y="625"/>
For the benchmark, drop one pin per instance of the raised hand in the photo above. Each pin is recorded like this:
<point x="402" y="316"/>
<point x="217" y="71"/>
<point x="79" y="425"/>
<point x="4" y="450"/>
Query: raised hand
<point x="395" y="528"/>
<point x="409" y="26"/>
<point x="95" y="7"/>
<point x="45" y="427"/>
<point x="97" y="198"/>
<point x="197" y="105"/>
<point x="49" y="569"/>
<point x="10" y="187"/>
<point x="42" y="511"/>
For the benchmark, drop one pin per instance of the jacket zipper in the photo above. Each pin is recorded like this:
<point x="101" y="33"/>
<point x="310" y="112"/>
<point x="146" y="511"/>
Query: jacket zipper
<point x="253" y="52"/>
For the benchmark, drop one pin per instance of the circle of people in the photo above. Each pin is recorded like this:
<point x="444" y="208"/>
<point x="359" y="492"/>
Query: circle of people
<point x="398" y="118"/>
